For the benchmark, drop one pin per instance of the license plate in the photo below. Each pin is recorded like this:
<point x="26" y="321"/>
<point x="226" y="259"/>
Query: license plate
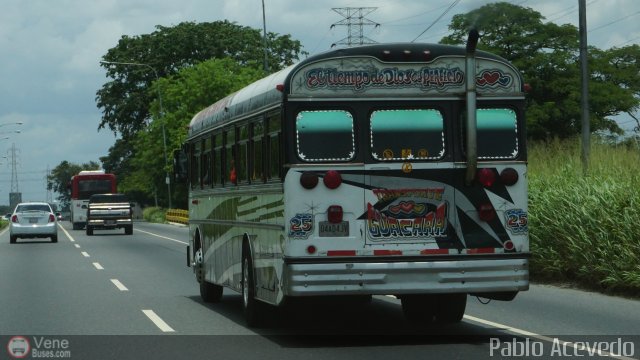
<point x="328" y="229"/>
<point x="109" y="222"/>
<point x="33" y="220"/>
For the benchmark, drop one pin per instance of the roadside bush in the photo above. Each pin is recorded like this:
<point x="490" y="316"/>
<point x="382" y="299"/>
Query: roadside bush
<point x="154" y="214"/>
<point x="585" y="229"/>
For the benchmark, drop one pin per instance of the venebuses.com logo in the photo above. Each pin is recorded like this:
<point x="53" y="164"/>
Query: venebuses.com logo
<point x="19" y="347"/>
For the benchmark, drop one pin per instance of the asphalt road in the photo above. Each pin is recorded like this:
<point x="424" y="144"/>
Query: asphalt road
<point x="137" y="298"/>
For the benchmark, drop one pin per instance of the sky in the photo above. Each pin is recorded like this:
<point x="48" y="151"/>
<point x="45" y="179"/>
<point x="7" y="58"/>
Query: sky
<point x="50" y="52"/>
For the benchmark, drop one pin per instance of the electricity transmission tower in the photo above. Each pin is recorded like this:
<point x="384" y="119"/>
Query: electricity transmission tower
<point x="355" y="21"/>
<point x="14" y="171"/>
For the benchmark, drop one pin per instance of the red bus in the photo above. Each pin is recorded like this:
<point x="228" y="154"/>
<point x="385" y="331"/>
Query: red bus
<point x="83" y="185"/>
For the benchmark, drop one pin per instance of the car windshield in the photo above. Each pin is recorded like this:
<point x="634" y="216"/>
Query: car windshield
<point x="33" y="207"/>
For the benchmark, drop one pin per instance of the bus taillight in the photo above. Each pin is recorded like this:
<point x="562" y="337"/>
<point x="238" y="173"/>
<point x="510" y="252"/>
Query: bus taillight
<point x="509" y="176"/>
<point x="486" y="177"/>
<point x="486" y="212"/>
<point x="308" y="180"/>
<point x="332" y="179"/>
<point x="334" y="214"/>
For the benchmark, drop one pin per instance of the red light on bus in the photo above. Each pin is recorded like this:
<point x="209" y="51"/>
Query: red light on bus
<point x="311" y="249"/>
<point x="486" y="177"/>
<point x="334" y="214"/>
<point x="308" y="180"/>
<point x="486" y="212"/>
<point x="509" y="176"/>
<point x="280" y="87"/>
<point x="332" y="179"/>
<point x="508" y="245"/>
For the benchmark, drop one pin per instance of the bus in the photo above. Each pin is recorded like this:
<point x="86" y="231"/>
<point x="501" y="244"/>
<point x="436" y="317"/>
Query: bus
<point x="387" y="169"/>
<point x="82" y="186"/>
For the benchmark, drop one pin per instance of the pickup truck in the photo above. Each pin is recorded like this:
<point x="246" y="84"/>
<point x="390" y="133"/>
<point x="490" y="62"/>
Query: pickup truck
<point x="109" y="211"/>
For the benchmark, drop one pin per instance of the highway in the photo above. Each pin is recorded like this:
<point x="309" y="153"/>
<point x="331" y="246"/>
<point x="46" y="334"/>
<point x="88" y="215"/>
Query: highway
<point x="116" y="296"/>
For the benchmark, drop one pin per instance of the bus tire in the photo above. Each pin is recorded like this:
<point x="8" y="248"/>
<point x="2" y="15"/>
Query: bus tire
<point x="210" y="293"/>
<point x="253" y="309"/>
<point x="128" y="230"/>
<point x="89" y="230"/>
<point x="451" y="308"/>
<point x="419" y="309"/>
<point x="76" y="226"/>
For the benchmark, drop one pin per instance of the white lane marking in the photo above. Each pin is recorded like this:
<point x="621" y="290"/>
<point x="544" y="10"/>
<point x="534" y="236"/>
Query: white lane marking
<point x="77" y="246"/>
<point x="162" y="237"/>
<point x="119" y="285"/>
<point x="66" y="233"/>
<point x="98" y="266"/>
<point x="158" y="321"/>
<point x="85" y="254"/>
<point x="563" y="343"/>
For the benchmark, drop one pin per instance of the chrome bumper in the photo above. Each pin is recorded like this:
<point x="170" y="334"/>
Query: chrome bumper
<point x="410" y="277"/>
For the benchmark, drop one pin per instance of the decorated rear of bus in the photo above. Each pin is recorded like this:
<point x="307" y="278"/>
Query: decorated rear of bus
<point x="385" y="193"/>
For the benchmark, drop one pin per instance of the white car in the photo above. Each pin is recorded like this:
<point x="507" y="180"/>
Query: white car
<point x="33" y="220"/>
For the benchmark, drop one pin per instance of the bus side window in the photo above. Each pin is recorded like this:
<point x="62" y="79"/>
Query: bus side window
<point x="206" y="162"/>
<point x="218" y="176"/>
<point x="257" y="152"/>
<point x="231" y="177"/>
<point x="195" y="165"/>
<point x="273" y="146"/>
<point x="242" y="160"/>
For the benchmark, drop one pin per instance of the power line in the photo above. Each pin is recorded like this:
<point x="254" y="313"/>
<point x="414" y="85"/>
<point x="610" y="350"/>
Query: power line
<point x="438" y="19"/>
<point x="614" y="21"/>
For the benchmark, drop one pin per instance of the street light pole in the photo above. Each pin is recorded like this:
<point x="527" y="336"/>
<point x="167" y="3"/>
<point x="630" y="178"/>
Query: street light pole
<point x="164" y="136"/>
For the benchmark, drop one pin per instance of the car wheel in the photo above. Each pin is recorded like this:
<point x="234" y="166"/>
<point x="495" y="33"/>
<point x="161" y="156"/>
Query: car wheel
<point x="54" y="239"/>
<point x="12" y="239"/>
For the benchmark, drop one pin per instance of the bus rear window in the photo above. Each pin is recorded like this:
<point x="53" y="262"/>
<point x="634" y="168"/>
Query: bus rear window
<point x="325" y="135"/>
<point x="497" y="134"/>
<point x="407" y="134"/>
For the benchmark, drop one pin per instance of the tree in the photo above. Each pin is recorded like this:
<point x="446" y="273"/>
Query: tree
<point x="184" y="94"/>
<point x="547" y="54"/>
<point x="125" y="100"/>
<point x="60" y="178"/>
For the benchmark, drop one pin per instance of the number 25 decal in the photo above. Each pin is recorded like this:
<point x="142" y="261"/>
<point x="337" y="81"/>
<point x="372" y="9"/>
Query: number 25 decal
<point x="517" y="221"/>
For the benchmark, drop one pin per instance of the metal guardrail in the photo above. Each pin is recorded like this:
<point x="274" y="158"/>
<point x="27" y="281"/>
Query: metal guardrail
<point x="178" y="216"/>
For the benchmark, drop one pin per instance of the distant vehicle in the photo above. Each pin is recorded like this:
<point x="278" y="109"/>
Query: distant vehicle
<point x="33" y="220"/>
<point x="82" y="186"/>
<point x="109" y="211"/>
<point x="7" y="217"/>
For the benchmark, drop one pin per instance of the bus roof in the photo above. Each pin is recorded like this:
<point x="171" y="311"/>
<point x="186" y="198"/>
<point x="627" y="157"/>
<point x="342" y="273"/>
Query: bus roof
<point x="411" y="69"/>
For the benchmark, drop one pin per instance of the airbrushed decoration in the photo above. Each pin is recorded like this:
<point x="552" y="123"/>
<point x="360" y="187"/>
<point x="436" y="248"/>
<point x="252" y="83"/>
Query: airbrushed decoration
<point x="494" y="79"/>
<point x="409" y="214"/>
<point x="360" y="80"/>
<point x="300" y="226"/>
<point x="517" y="221"/>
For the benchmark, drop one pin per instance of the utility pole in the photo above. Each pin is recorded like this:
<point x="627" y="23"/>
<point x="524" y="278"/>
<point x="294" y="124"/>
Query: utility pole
<point x="584" y="99"/>
<point x="355" y="21"/>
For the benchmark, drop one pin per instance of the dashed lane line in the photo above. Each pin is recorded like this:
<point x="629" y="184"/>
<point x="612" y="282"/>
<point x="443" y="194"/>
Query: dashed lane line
<point x="162" y="237"/>
<point x="163" y="326"/>
<point x="119" y="285"/>
<point x="98" y="266"/>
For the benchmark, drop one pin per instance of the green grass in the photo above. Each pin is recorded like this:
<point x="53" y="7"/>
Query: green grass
<point x="585" y="229"/>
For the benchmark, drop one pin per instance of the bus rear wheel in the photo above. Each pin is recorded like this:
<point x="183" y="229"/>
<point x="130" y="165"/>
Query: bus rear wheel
<point x="253" y="309"/>
<point x="451" y="308"/>
<point x="419" y="309"/>
<point x="209" y="292"/>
